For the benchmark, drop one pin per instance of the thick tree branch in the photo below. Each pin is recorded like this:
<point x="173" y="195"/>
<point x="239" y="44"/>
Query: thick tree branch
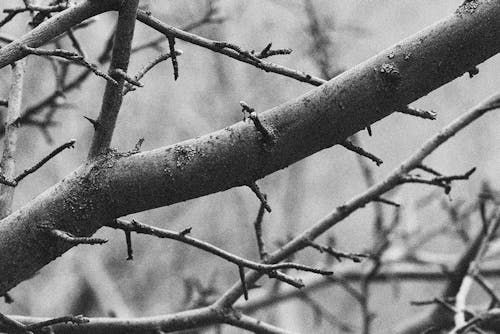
<point x="113" y="95"/>
<point x="116" y="184"/>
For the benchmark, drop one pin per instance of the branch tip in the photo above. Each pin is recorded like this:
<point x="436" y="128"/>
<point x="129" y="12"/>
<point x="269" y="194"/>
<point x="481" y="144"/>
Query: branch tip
<point x="359" y="150"/>
<point x="425" y="114"/>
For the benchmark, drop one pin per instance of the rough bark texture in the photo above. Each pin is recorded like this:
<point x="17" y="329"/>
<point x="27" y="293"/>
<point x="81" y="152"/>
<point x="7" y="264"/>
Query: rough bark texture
<point x="118" y="184"/>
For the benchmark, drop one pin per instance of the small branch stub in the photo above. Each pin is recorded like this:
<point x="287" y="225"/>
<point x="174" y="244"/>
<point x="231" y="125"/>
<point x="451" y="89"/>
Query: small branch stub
<point x="252" y="115"/>
<point x="71" y="239"/>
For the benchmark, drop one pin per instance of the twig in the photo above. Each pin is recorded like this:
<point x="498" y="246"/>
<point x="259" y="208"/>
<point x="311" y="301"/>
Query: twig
<point x="354" y="257"/>
<point x="440" y="181"/>
<point x="78" y="319"/>
<point x="76" y="43"/>
<point x="258" y="231"/>
<point x="425" y="114"/>
<point x="26" y="172"/>
<point x="269" y="52"/>
<point x="121" y="74"/>
<point x="71" y="56"/>
<point x="142" y="72"/>
<point x="386" y="201"/>
<point x="486" y="287"/>
<point x="272" y="270"/>
<point x="473" y="268"/>
<point x="228" y="49"/>
<point x="208" y="18"/>
<point x="173" y="56"/>
<point x="241" y="272"/>
<point x="261" y="196"/>
<point x="351" y="147"/>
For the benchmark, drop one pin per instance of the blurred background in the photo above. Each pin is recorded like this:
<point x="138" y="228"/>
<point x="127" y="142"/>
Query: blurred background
<point x="98" y="281"/>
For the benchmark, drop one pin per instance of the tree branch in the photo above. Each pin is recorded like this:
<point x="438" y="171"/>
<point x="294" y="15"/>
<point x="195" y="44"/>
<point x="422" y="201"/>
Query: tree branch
<point x="117" y="184"/>
<point x="52" y="28"/>
<point x="113" y="95"/>
<point x="7" y="163"/>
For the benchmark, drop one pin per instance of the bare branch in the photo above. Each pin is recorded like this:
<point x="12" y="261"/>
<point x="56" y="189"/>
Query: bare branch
<point x="425" y="114"/>
<point x="225" y="48"/>
<point x="8" y="163"/>
<point x="270" y="270"/>
<point x="351" y="147"/>
<point x="113" y="95"/>
<point x="26" y="172"/>
<point x="142" y="72"/>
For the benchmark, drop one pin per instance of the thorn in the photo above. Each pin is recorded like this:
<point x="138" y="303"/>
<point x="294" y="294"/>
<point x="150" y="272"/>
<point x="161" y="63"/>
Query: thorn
<point x="128" y="240"/>
<point x="473" y="71"/>
<point x="351" y="147"/>
<point x="267" y="48"/>
<point x="185" y="231"/>
<point x="369" y="129"/>
<point x="386" y="201"/>
<point x="92" y="121"/>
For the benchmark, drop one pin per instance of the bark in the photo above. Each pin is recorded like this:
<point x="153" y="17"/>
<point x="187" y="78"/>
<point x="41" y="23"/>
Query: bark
<point x="117" y="184"/>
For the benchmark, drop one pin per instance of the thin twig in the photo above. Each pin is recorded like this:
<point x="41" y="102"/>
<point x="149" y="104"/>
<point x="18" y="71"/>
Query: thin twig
<point x="142" y="72"/>
<point x="73" y="57"/>
<point x="351" y="147"/>
<point x="228" y="49"/>
<point x="261" y="196"/>
<point x="272" y="270"/>
<point x="258" y="232"/>
<point x="26" y="172"/>
<point x="425" y="114"/>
